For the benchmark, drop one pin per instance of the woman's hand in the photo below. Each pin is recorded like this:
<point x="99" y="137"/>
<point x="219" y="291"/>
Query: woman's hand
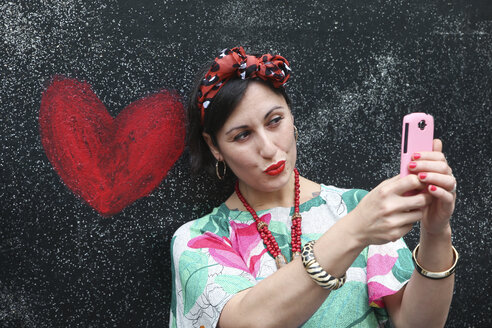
<point x="387" y="213"/>
<point x="433" y="170"/>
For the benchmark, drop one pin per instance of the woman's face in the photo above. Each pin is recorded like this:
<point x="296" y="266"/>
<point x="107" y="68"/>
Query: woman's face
<point x="257" y="141"/>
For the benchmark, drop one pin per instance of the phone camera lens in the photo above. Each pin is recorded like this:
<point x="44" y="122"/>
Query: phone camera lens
<point x="422" y="125"/>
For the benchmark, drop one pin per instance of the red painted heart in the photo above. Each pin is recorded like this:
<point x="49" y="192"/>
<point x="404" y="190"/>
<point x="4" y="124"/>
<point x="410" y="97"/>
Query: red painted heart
<point x="109" y="162"/>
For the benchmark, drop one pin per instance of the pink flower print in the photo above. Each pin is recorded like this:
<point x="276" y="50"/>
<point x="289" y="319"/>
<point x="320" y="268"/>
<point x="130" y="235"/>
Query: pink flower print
<point x="234" y="252"/>
<point x="379" y="265"/>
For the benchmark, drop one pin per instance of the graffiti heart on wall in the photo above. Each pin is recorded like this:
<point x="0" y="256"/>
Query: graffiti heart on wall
<point x="110" y="162"/>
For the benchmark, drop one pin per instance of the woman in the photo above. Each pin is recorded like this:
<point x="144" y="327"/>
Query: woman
<point x="240" y="265"/>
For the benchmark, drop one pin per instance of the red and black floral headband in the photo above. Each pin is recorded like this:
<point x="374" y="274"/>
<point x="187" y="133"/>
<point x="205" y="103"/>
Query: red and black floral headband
<point x="235" y="62"/>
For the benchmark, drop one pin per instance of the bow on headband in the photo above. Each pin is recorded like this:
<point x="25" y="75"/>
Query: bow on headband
<point x="235" y="62"/>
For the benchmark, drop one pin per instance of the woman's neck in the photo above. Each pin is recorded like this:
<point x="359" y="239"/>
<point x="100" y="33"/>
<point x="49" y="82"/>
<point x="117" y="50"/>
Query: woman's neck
<point x="281" y="198"/>
<point x="258" y="200"/>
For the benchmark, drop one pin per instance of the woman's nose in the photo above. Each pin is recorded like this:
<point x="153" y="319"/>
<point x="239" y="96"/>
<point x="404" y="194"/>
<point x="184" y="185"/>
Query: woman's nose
<point x="266" y="146"/>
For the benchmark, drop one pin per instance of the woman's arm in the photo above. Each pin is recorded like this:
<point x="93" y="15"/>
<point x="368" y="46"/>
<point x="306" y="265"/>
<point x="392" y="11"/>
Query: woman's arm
<point x="425" y="302"/>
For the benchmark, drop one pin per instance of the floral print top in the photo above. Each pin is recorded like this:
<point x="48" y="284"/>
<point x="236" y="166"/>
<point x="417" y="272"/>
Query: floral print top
<point x="220" y="254"/>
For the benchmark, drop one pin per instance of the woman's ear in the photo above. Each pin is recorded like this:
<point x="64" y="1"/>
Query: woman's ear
<point x="213" y="149"/>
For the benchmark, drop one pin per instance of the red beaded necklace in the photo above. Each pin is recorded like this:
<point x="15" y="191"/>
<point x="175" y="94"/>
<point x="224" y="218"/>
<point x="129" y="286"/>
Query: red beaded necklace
<point x="268" y="239"/>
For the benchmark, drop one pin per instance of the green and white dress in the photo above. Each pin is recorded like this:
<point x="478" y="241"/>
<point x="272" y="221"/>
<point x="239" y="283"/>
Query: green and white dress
<point x="220" y="254"/>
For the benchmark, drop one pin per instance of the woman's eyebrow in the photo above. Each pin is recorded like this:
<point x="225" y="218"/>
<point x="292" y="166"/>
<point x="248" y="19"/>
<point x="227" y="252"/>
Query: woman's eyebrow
<point x="271" y="110"/>
<point x="236" y="128"/>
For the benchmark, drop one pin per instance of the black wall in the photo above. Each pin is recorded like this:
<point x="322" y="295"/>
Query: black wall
<point x="358" y="67"/>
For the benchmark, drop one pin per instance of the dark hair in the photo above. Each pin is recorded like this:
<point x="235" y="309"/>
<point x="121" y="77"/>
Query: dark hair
<point x="217" y="113"/>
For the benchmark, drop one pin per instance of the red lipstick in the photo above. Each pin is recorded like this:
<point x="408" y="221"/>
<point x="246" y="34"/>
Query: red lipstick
<point x="276" y="168"/>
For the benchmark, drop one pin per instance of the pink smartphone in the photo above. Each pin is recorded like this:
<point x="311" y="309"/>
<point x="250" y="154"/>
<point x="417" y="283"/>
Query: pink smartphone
<point x="417" y="136"/>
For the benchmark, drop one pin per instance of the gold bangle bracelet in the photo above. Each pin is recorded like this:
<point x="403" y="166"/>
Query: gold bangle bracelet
<point x="434" y="275"/>
<point x="316" y="272"/>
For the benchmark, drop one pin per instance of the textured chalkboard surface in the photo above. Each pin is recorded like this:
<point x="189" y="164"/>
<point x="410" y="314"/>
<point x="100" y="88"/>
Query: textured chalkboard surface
<point x="358" y="67"/>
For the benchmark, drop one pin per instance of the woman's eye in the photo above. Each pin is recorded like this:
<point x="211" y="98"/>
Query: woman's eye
<point x="241" y="136"/>
<point x="276" y="120"/>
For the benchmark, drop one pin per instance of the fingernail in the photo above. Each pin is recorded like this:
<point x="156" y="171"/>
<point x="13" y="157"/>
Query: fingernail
<point x="412" y="165"/>
<point x="422" y="175"/>
<point x="433" y="188"/>
<point x="416" y="155"/>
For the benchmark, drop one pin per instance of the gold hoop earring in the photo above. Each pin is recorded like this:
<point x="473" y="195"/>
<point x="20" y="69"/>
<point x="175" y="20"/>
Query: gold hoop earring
<point x="296" y="133"/>
<point x="217" y="170"/>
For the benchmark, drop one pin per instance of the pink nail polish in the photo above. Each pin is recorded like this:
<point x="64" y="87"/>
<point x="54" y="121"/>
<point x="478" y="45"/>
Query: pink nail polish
<point x="433" y="188"/>
<point x="412" y="165"/>
<point x="416" y="155"/>
<point x="422" y="175"/>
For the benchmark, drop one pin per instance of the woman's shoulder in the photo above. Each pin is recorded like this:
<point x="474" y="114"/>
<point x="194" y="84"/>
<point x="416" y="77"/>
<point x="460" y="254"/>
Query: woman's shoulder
<point x="355" y="192"/>
<point x="330" y="193"/>
<point x="313" y="187"/>
<point x="215" y="220"/>
<point x="350" y="196"/>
